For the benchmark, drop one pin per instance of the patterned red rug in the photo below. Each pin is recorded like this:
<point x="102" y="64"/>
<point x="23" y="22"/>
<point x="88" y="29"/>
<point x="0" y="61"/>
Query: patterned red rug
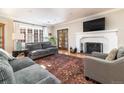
<point x="67" y="68"/>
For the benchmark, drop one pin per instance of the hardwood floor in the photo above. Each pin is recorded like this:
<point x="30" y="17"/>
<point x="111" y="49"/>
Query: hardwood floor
<point x="71" y="54"/>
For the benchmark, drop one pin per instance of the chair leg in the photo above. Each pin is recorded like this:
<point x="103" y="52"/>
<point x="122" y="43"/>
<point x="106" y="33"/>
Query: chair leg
<point x="87" y="78"/>
<point x="96" y="82"/>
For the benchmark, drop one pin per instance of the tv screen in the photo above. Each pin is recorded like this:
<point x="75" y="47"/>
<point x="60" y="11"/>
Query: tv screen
<point x="94" y="25"/>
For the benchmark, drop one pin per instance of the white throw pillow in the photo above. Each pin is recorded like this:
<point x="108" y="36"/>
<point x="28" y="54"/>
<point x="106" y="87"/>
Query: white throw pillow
<point x="112" y="55"/>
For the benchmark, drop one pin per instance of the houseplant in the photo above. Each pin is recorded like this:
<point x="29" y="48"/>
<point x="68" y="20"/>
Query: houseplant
<point x="52" y="39"/>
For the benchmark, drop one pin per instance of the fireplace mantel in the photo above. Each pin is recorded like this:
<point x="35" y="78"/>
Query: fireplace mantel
<point x="99" y="32"/>
<point x="91" y="37"/>
<point x="102" y="31"/>
<point x="107" y="37"/>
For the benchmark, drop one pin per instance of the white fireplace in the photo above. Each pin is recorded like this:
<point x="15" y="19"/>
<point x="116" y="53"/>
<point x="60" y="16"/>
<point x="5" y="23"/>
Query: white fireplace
<point x="108" y="38"/>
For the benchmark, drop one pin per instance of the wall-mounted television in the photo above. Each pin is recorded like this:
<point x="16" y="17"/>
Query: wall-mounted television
<point x="94" y="25"/>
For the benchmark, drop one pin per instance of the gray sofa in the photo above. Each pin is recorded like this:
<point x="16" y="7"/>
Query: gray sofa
<point x="103" y="71"/>
<point x="24" y="71"/>
<point x="40" y="49"/>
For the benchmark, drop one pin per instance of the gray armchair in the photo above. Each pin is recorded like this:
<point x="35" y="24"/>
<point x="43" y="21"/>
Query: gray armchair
<point x="103" y="71"/>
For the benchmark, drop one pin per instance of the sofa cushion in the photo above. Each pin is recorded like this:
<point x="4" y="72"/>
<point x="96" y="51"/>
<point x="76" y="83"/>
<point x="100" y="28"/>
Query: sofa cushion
<point x="33" y="46"/>
<point x="99" y="55"/>
<point x="49" y="80"/>
<point x="120" y="52"/>
<point x="5" y="55"/>
<point x="46" y="45"/>
<point x="32" y="74"/>
<point x="39" y="52"/>
<point x="112" y="55"/>
<point x="21" y="63"/>
<point x="52" y="49"/>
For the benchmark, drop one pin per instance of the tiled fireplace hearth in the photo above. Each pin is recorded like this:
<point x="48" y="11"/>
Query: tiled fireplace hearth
<point x="107" y="38"/>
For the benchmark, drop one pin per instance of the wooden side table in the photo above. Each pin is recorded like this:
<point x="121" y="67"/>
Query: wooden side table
<point x="15" y="53"/>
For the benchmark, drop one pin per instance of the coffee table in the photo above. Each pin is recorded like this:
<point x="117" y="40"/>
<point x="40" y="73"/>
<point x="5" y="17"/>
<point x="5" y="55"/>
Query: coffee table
<point x="15" y="53"/>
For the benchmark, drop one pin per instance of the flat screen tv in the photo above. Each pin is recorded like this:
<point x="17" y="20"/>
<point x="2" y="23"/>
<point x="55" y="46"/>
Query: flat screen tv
<point x="94" y="25"/>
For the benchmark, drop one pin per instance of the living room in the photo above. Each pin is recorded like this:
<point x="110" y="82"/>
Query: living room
<point x="113" y="23"/>
<point x="62" y="45"/>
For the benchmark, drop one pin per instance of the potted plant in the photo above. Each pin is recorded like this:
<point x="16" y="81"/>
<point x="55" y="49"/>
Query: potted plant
<point x="52" y="39"/>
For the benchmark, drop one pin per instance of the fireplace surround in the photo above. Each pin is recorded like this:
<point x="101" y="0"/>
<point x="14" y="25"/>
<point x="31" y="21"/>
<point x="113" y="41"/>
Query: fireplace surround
<point x="108" y="38"/>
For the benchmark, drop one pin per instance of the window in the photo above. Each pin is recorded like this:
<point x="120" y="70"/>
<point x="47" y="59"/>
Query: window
<point x="32" y="33"/>
<point x="23" y="31"/>
<point x="41" y="35"/>
<point x="29" y="34"/>
<point x="35" y="35"/>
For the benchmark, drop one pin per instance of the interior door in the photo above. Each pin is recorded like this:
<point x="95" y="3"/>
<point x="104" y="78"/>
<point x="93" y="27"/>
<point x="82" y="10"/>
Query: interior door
<point x="63" y="39"/>
<point x="1" y="35"/>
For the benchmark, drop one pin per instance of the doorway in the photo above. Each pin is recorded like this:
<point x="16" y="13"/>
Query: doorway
<point x="62" y="35"/>
<point x="1" y="35"/>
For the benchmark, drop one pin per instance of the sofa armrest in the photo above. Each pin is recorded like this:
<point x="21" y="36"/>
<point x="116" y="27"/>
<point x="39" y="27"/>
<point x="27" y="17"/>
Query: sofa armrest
<point x="6" y="75"/>
<point x="118" y="61"/>
<point x="104" y="71"/>
<point x="96" y="60"/>
<point x="96" y="68"/>
<point x="53" y="46"/>
<point x="99" y="55"/>
<point x="96" y="64"/>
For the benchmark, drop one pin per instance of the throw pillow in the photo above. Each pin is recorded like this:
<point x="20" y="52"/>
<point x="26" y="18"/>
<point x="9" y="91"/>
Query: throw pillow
<point x="120" y="52"/>
<point x="112" y="55"/>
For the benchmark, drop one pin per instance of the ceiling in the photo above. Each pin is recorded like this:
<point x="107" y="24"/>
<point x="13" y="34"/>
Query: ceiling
<point x="48" y="16"/>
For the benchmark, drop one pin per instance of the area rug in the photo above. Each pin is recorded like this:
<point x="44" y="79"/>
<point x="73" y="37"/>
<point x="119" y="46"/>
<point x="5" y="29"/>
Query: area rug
<point x="70" y="70"/>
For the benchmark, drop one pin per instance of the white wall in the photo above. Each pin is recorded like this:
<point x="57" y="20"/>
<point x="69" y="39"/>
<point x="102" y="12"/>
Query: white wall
<point x="50" y="29"/>
<point x="8" y="33"/>
<point x="73" y="28"/>
<point x="114" y="20"/>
